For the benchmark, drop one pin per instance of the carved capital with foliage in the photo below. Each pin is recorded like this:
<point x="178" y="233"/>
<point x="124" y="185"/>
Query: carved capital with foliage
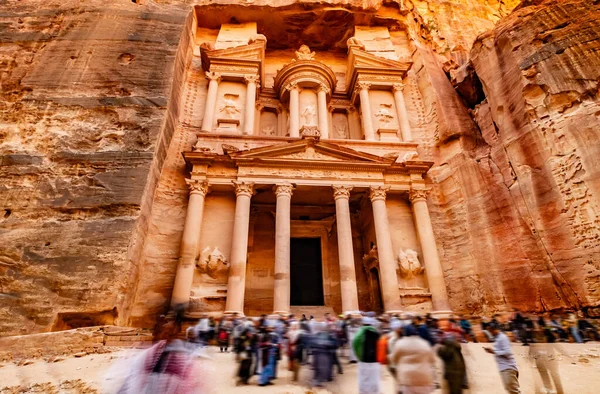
<point x="283" y="189"/>
<point x="378" y="193"/>
<point x="251" y="78"/>
<point x="197" y="186"/>
<point x="398" y="87"/>
<point x="341" y="191"/>
<point x="244" y="188"/>
<point x="213" y="76"/>
<point x="417" y="195"/>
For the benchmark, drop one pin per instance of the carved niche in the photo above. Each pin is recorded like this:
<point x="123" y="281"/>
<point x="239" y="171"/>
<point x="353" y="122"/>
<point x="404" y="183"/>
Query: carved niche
<point x="340" y="126"/>
<point x="268" y="123"/>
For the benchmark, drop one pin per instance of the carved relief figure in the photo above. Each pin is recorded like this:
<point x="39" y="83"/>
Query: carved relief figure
<point x="304" y="53"/>
<point x="340" y="126"/>
<point x="355" y="42"/>
<point x="268" y="130"/>
<point x="309" y="115"/>
<point x="384" y="115"/>
<point x="408" y="261"/>
<point x="214" y="263"/>
<point x="229" y="108"/>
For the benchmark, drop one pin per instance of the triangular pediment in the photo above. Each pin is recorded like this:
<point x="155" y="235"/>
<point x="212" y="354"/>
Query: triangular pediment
<point x="308" y="151"/>
<point x="358" y="58"/>
<point x="253" y="51"/>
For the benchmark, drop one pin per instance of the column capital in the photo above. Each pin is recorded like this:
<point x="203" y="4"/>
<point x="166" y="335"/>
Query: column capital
<point x="259" y="106"/>
<point x="291" y="86"/>
<point x="251" y="78"/>
<point x="323" y="88"/>
<point x="197" y="186"/>
<point x="398" y="87"/>
<point x="378" y="193"/>
<point x="243" y="188"/>
<point x="341" y="191"/>
<point x="363" y="85"/>
<point x="283" y="189"/>
<point x="213" y="76"/>
<point x="350" y="109"/>
<point x="417" y="195"/>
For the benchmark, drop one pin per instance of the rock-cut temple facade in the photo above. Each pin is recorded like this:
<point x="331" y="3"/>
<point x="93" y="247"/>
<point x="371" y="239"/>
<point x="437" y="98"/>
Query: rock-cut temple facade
<point x="306" y="187"/>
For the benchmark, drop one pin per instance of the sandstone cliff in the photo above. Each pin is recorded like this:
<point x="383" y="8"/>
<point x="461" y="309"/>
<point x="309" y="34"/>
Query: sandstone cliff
<point x="91" y="131"/>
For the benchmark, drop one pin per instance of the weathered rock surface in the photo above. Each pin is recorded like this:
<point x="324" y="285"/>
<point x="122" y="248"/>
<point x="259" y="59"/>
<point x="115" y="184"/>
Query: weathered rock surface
<point x="92" y="127"/>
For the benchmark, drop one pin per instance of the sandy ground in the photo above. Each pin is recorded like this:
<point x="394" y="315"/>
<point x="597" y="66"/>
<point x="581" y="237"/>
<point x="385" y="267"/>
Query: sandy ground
<point x="579" y="370"/>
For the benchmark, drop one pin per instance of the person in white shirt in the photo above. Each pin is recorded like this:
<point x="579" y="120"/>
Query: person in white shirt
<point x="507" y="365"/>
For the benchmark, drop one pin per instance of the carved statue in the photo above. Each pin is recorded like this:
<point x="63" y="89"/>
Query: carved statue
<point x="304" y="53"/>
<point x="208" y="46"/>
<point x="407" y="156"/>
<point x="340" y="131"/>
<point x="408" y="261"/>
<point x="268" y="130"/>
<point x="229" y="107"/>
<point x="384" y="115"/>
<point x="309" y="115"/>
<point x="212" y="263"/>
<point x="355" y="42"/>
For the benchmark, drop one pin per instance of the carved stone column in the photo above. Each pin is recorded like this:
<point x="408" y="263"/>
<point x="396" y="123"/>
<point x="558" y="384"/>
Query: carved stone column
<point x="365" y="105"/>
<point x="341" y="194"/>
<point x="189" y="242"/>
<point x="431" y="259"/>
<point x="387" y="262"/>
<point x="281" y="122"/>
<point x="402" y="114"/>
<point x="323" y="113"/>
<point x="236" y="284"/>
<point x="251" y="85"/>
<point x="211" y="101"/>
<point x="353" y="131"/>
<point x="294" y="110"/>
<point x="281" y="296"/>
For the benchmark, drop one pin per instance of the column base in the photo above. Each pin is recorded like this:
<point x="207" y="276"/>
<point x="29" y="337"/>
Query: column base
<point x="394" y="312"/>
<point x="241" y="314"/>
<point x="443" y="314"/>
<point x="281" y="313"/>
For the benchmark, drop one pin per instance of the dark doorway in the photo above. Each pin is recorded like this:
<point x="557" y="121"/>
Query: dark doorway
<point x="306" y="274"/>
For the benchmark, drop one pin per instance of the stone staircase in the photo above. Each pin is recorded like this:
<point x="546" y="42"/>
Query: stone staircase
<point x="317" y="311"/>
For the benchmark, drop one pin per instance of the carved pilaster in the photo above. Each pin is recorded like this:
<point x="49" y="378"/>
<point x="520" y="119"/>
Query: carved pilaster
<point x="341" y="191"/>
<point x="197" y="186"/>
<point x="283" y="189"/>
<point x="417" y="195"/>
<point x="243" y="188"/>
<point x="378" y="193"/>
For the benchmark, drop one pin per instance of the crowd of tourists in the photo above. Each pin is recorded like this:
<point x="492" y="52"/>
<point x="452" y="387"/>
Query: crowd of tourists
<point x="408" y="346"/>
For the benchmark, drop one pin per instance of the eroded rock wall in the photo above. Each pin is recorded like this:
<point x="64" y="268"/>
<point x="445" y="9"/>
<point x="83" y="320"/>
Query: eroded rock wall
<point x="517" y="216"/>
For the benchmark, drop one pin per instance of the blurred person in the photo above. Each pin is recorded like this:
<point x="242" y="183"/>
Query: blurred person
<point x="245" y="352"/>
<point x="203" y="328"/>
<point x="335" y="340"/>
<point x="224" y="330"/>
<point x="507" y="365"/>
<point x="588" y="330"/>
<point x="352" y="328"/>
<point x="321" y="346"/>
<point x="546" y="329"/>
<point x="297" y="343"/>
<point x="423" y="330"/>
<point x="573" y="326"/>
<point x="267" y="354"/>
<point x="485" y="322"/>
<point x="364" y="345"/>
<point x="414" y="360"/>
<point x="167" y="367"/>
<point x="454" y="364"/>
<point x="557" y="328"/>
<point x="545" y="358"/>
<point x="467" y="328"/>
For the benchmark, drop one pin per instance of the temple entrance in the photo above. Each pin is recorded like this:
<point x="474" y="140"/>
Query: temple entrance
<point x="306" y="280"/>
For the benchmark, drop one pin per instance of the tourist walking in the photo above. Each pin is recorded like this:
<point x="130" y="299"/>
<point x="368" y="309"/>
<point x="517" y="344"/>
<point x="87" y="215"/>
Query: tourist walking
<point x="297" y="343"/>
<point x="244" y="351"/>
<point x="364" y="345"/>
<point x="414" y="360"/>
<point x="545" y="358"/>
<point x="321" y="347"/>
<point x="454" y="364"/>
<point x="507" y="365"/>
